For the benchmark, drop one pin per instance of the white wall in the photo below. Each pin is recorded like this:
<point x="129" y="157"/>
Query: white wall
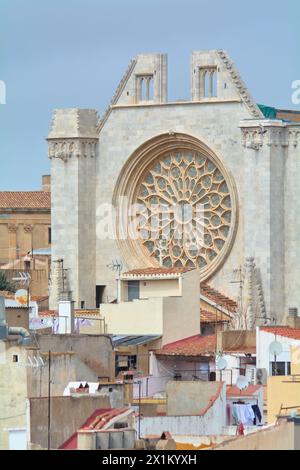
<point x="264" y="357"/>
<point x="211" y="423"/>
<point x="159" y="288"/>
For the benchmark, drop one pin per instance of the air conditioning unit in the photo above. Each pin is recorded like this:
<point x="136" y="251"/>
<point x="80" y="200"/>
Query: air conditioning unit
<point x="261" y="376"/>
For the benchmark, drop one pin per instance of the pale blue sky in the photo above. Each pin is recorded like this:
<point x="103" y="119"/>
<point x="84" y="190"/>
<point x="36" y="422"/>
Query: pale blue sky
<point x="72" y="53"/>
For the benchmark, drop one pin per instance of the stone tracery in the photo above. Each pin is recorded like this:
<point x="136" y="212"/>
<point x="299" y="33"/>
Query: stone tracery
<point x="185" y="179"/>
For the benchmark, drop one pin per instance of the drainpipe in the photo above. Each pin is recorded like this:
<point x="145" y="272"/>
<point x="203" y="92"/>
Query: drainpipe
<point x="20" y="331"/>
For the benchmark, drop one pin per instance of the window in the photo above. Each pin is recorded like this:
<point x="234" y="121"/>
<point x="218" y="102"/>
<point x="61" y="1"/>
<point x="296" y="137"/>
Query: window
<point x="99" y="295"/>
<point x="15" y="358"/>
<point x="82" y="303"/>
<point x="125" y="363"/>
<point x="133" y="290"/>
<point x="208" y="82"/>
<point x="280" y="368"/>
<point x="144" y="88"/>
<point x="49" y="235"/>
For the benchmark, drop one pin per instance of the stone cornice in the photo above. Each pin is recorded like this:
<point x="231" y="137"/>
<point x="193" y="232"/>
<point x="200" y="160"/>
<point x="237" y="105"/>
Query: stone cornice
<point x="65" y="149"/>
<point x="256" y="134"/>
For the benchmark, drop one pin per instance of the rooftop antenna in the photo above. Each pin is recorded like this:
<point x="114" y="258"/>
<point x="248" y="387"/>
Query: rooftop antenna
<point x="116" y="266"/>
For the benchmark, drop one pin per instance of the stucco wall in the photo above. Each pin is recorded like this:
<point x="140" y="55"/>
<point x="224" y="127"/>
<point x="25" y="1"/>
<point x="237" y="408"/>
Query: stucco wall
<point x="282" y="391"/>
<point x="139" y="317"/>
<point x="93" y="350"/>
<point x="189" y="398"/>
<point x="161" y="288"/>
<point x="67" y="415"/>
<point x="276" y="438"/>
<point x="211" y="422"/>
<point x="182" y="314"/>
<point x="13" y="389"/>
<point x="264" y="357"/>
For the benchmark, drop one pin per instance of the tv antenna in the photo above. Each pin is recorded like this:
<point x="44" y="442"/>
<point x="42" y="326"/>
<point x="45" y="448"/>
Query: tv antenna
<point x="116" y="266"/>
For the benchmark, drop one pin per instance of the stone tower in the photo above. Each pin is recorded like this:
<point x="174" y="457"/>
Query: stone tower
<point x="72" y="149"/>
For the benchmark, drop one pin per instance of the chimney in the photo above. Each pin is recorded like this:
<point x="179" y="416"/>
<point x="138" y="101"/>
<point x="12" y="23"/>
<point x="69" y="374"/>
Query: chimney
<point x="293" y="320"/>
<point x="46" y="183"/>
<point x="66" y="317"/>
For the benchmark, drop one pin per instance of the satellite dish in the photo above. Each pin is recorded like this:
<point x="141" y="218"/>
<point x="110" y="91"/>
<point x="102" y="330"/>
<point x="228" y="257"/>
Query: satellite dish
<point x="242" y="382"/>
<point x="275" y="348"/>
<point x="221" y="363"/>
<point x="21" y="297"/>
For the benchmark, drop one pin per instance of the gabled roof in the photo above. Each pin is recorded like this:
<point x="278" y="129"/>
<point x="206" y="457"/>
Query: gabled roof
<point x="285" y="331"/>
<point x="193" y="346"/>
<point x="218" y="298"/>
<point x="25" y="200"/>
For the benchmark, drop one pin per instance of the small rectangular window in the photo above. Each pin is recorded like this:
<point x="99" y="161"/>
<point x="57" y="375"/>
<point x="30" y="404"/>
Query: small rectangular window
<point x="49" y="235"/>
<point x="15" y="358"/>
<point x="278" y="368"/>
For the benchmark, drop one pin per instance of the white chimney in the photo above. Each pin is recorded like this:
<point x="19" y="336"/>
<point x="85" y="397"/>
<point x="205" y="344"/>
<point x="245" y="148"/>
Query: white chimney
<point x="66" y="317"/>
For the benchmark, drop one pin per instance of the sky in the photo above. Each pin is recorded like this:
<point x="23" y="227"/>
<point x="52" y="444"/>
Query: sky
<point x="73" y="53"/>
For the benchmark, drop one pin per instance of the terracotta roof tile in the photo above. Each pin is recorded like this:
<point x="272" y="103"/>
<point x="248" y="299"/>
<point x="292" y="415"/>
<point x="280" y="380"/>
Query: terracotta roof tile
<point x="25" y="200"/>
<point x="34" y="298"/>
<point x="7" y="295"/>
<point x="95" y="422"/>
<point x="211" y="317"/>
<point x="48" y="313"/>
<point x="218" y="298"/>
<point x="156" y="271"/>
<point x="193" y="346"/>
<point x="285" y="331"/>
<point x="77" y="313"/>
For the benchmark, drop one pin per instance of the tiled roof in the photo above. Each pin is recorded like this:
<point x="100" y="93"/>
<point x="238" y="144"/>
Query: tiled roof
<point x="285" y="331"/>
<point x="99" y="420"/>
<point x="95" y="422"/>
<point x="193" y="346"/>
<point x="233" y="391"/>
<point x="77" y="313"/>
<point x="25" y="200"/>
<point x="156" y="271"/>
<point x="293" y="116"/>
<point x="211" y="317"/>
<point x="218" y="298"/>
<point x="48" y="313"/>
<point x="11" y="296"/>
<point x="91" y="312"/>
<point x="7" y="295"/>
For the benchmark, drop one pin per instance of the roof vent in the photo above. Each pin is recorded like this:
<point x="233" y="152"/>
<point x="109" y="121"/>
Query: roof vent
<point x="293" y="312"/>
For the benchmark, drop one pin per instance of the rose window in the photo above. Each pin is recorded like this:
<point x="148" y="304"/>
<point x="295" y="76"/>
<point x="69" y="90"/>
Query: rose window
<point x="184" y="210"/>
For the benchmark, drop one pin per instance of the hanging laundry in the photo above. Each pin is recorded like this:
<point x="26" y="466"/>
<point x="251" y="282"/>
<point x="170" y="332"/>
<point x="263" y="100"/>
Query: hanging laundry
<point x="257" y="415"/>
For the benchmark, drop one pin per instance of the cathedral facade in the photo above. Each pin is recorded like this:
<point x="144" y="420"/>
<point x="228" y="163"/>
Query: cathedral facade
<point x="121" y="183"/>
